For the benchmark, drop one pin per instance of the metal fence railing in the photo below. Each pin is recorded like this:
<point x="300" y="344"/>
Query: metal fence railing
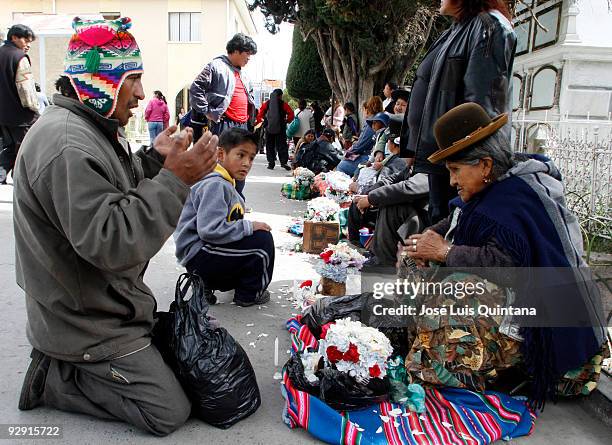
<point x="582" y="150"/>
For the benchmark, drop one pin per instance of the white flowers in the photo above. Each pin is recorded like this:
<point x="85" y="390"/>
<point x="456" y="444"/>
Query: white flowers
<point x="337" y="261"/>
<point x="356" y="349"/>
<point x="303" y="176"/>
<point x="322" y="209"/>
<point x="310" y="361"/>
<point x="338" y="186"/>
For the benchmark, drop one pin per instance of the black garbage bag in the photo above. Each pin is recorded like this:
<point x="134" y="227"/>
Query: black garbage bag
<point x="337" y="389"/>
<point x="213" y="369"/>
<point x="343" y="393"/>
<point x="329" y="309"/>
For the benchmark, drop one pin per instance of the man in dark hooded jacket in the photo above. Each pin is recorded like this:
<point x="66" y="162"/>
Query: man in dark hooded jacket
<point x="276" y="114"/>
<point x="320" y="155"/>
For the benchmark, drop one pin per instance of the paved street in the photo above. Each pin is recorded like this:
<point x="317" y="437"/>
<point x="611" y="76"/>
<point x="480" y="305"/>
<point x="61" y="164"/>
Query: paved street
<point x="564" y="423"/>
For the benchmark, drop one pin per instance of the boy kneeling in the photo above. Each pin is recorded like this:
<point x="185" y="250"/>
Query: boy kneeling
<point x="214" y="241"/>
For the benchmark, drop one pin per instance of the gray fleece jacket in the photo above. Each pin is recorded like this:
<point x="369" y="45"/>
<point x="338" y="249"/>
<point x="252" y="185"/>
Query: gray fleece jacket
<point x="213" y="214"/>
<point x="211" y="92"/>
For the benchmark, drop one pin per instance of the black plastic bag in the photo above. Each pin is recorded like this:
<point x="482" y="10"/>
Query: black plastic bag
<point x="337" y="389"/>
<point x="343" y="393"/>
<point x="212" y="367"/>
<point x="329" y="309"/>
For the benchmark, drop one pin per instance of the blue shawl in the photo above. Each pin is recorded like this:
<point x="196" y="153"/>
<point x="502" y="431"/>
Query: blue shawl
<point x="525" y="212"/>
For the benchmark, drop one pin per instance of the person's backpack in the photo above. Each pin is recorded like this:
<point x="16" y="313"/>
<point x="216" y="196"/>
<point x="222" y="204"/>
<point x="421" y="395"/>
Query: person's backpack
<point x="294" y="126"/>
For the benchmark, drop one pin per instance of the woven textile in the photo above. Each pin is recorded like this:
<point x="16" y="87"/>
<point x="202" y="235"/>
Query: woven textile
<point x="101" y="54"/>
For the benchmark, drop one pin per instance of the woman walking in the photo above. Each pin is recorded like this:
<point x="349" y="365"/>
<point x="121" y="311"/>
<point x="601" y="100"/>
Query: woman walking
<point x="157" y="115"/>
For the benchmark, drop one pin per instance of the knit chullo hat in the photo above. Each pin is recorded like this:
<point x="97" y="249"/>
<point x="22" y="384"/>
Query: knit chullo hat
<point x="101" y="54"/>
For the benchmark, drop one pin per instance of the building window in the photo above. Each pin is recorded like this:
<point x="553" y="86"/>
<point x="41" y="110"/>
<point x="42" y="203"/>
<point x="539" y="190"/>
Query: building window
<point x="522" y="31"/>
<point x="184" y="26"/>
<point x="517" y="91"/>
<point x="521" y="7"/>
<point x="543" y="87"/>
<point x="550" y="18"/>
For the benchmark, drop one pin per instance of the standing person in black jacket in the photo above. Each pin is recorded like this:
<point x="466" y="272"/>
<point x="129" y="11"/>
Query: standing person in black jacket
<point x="318" y="117"/>
<point x="276" y="114"/>
<point x="19" y="101"/>
<point x="470" y="62"/>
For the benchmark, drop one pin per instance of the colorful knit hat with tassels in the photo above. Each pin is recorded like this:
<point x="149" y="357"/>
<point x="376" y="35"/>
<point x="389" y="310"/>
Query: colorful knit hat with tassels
<point x="101" y="54"/>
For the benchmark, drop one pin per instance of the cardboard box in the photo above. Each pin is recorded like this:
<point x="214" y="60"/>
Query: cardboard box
<point x="317" y="235"/>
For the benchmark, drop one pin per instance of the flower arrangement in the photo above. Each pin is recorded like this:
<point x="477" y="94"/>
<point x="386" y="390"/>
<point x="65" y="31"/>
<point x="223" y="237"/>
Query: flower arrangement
<point x="356" y="349"/>
<point x="337" y="261"/>
<point x="303" y="177"/>
<point x="338" y="187"/>
<point x="310" y="361"/>
<point x="322" y="209"/>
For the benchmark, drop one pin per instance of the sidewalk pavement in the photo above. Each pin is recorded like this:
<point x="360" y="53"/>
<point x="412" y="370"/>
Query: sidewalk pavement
<point x="563" y="423"/>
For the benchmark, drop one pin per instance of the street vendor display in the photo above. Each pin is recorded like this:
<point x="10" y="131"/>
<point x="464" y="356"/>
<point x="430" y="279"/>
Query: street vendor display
<point x="321" y="226"/>
<point x="322" y="209"/>
<point x="334" y="265"/>
<point x="300" y="187"/>
<point x="450" y="415"/>
<point x="338" y="184"/>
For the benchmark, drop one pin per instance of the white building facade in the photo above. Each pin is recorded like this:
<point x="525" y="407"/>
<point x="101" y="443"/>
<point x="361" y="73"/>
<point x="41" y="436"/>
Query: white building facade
<point x="562" y="74"/>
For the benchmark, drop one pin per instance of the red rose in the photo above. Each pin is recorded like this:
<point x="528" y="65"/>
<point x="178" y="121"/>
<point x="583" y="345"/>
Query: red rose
<point x="326" y="255"/>
<point x="324" y="329"/>
<point x="307" y="283"/>
<point x="352" y="355"/>
<point x="375" y="371"/>
<point x="333" y="355"/>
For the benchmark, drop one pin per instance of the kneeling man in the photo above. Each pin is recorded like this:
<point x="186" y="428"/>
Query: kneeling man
<point x="88" y="216"/>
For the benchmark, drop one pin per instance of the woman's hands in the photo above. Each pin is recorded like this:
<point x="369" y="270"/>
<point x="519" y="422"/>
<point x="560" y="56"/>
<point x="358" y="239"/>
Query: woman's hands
<point x="426" y="246"/>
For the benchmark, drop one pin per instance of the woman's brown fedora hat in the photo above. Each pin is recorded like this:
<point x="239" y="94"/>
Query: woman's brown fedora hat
<point x="461" y="127"/>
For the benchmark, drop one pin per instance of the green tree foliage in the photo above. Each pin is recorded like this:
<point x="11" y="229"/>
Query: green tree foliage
<point x="305" y="76"/>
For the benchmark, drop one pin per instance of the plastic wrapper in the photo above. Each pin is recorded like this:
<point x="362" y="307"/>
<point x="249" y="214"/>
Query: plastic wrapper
<point x="410" y="395"/>
<point x="343" y="393"/>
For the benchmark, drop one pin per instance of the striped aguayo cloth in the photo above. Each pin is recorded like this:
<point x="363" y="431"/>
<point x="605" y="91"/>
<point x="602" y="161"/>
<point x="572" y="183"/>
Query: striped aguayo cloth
<point x="452" y="416"/>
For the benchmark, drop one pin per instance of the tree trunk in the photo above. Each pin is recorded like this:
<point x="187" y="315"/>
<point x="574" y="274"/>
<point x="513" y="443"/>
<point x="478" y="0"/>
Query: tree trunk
<point x="349" y="72"/>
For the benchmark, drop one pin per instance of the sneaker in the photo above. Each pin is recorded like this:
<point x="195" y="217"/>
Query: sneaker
<point x="263" y="298"/>
<point x="286" y="167"/>
<point x="270" y="167"/>
<point x="34" y="381"/>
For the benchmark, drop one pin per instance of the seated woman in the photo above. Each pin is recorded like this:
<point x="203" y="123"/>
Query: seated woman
<point x="510" y="212"/>
<point x="360" y="150"/>
<point x="308" y="138"/>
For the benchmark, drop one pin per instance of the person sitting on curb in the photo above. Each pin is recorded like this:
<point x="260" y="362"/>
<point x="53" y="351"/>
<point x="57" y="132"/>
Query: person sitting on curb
<point x="397" y="203"/>
<point x="320" y="155"/>
<point x="391" y="162"/>
<point x="88" y="217"/>
<point x="214" y="241"/>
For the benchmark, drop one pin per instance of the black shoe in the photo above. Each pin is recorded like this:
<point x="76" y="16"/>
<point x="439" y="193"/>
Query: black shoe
<point x="286" y="167"/>
<point x="209" y="295"/>
<point x="34" y="381"/>
<point x="270" y="166"/>
<point x="263" y="298"/>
